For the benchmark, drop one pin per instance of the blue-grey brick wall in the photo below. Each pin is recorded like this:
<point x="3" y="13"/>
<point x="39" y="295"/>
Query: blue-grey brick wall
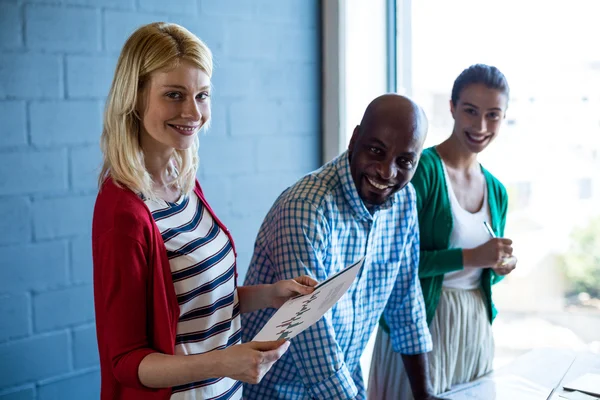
<point x="56" y="65"/>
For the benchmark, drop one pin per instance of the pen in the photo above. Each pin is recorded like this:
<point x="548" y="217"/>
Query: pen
<point x="489" y="229"/>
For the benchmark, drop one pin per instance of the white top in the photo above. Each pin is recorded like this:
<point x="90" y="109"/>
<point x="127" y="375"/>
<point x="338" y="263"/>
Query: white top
<point x="468" y="232"/>
<point x="203" y="268"/>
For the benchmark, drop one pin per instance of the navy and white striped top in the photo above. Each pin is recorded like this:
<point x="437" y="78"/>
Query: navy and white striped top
<point x="203" y="270"/>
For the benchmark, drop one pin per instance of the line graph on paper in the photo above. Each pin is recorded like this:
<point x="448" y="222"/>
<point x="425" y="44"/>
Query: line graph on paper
<point x="299" y="313"/>
<point x="288" y="325"/>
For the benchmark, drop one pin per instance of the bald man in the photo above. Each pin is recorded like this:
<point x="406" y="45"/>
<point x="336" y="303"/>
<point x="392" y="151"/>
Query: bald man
<point x="358" y="205"/>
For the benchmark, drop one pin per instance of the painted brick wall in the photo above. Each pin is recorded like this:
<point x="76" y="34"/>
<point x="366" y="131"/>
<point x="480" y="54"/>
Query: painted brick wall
<point x="56" y="64"/>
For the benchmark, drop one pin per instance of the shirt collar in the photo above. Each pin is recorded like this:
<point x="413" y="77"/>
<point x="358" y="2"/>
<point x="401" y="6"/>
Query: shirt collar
<point x="351" y="194"/>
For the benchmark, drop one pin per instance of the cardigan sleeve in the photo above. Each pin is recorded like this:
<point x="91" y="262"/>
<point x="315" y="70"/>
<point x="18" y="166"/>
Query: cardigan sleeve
<point x="421" y="181"/>
<point x="432" y="262"/>
<point x="439" y="262"/>
<point x="121" y="291"/>
<point x="503" y="208"/>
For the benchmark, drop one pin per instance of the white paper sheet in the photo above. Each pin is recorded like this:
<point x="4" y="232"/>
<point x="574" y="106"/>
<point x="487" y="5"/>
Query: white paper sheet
<point x="507" y="387"/>
<point x="588" y="383"/>
<point x="299" y="313"/>
<point x="576" y="396"/>
<point x="481" y="389"/>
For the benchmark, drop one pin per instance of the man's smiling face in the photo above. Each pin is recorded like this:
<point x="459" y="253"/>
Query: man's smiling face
<point x="383" y="160"/>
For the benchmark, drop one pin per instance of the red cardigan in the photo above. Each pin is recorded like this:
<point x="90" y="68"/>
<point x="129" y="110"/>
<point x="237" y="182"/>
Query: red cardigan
<point x="135" y="301"/>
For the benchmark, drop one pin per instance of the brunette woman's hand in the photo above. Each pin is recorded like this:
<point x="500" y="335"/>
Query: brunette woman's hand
<point x="488" y="255"/>
<point x="505" y="266"/>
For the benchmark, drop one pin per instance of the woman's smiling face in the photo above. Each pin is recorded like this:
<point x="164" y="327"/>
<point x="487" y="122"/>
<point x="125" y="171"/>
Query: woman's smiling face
<point x="478" y="116"/>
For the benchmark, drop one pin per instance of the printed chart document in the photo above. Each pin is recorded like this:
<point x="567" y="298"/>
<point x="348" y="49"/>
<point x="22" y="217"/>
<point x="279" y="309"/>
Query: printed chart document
<point x="299" y="313"/>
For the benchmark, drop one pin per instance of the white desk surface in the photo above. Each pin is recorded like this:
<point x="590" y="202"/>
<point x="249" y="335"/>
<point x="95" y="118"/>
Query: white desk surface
<point x="538" y="374"/>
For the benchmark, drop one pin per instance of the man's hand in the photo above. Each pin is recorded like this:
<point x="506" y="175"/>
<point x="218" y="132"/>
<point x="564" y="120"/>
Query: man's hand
<point x="249" y="362"/>
<point x="284" y="290"/>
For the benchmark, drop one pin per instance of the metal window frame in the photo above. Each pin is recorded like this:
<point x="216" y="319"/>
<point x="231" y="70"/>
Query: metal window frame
<point x="333" y="77"/>
<point x="400" y="20"/>
<point x="392" y="46"/>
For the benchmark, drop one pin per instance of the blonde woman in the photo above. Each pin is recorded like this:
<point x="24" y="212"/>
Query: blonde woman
<point x="167" y="302"/>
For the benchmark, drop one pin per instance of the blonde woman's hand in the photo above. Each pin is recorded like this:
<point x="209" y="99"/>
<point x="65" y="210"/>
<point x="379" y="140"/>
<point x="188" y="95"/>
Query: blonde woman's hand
<point x="284" y="290"/>
<point x="249" y="362"/>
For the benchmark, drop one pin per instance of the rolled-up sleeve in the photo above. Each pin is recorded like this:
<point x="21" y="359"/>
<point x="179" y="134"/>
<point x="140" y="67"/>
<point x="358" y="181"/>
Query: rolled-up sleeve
<point x="405" y="309"/>
<point x="297" y="248"/>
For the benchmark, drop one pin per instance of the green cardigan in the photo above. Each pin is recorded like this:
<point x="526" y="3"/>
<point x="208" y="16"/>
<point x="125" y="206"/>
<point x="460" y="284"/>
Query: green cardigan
<point x="435" y="224"/>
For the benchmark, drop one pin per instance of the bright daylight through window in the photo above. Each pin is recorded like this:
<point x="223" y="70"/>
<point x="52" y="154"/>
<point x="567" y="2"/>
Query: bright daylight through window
<point x="547" y="154"/>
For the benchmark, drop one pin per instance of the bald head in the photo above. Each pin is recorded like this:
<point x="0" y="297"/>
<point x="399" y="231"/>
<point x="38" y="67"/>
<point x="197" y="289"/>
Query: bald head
<point x="396" y="112"/>
<point x="385" y="148"/>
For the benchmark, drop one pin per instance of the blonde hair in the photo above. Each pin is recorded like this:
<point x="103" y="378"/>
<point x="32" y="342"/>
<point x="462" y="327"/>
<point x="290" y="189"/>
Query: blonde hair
<point x="150" y="48"/>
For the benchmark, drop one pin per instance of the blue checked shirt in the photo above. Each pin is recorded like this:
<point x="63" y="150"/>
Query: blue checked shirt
<point x="318" y="227"/>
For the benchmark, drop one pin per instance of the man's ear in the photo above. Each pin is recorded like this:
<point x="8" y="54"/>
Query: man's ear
<point x="353" y="139"/>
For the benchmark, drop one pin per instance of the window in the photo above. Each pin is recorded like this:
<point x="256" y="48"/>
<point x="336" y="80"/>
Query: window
<point x="355" y="62"/>
<point x="585" y="188"/>
<point x="520" y="195"/>
<point x="546" y="154"/>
